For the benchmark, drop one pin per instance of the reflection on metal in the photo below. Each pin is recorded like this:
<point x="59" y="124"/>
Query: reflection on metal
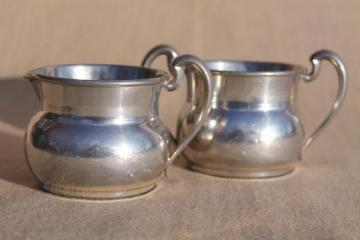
<point x="98" y="134"/>
<point x="253" y="129"/>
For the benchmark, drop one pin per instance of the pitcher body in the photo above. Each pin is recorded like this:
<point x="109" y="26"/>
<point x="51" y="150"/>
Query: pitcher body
<point x="98" y="134"/>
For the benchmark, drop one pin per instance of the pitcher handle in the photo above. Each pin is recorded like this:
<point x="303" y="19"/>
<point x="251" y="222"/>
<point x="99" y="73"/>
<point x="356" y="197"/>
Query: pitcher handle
<point x="192" y="63"/>
<point x="339" y="65"/>
<point x="177" y="67"/>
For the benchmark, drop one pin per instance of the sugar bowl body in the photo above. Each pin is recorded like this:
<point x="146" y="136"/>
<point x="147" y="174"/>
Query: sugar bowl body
<point x="254" y="128"/>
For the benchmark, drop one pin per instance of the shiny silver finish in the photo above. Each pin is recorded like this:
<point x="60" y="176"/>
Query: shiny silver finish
<point x="254" y="128"/>
<point x="176" y="66"/>
<point x="195" y="65"/>
<point x="339" y="65"/>
<point x="98" y="134"/>
<point x="157" y="51"/>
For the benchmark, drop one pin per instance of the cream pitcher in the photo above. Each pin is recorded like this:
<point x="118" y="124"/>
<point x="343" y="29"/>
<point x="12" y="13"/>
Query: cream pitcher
<point x="254" y="129"/>
<point x="98" y="134"/>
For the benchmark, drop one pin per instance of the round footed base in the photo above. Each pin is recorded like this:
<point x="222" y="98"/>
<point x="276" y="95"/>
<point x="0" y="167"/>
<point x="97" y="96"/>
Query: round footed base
<point x="97" y="195"/>
<point x="243" y="173"/>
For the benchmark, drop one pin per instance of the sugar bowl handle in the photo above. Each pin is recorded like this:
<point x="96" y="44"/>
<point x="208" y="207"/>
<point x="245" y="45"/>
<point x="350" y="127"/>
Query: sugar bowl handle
<point x="177" y="65"/>
<point x="339" y="65"/>
<point x="162" y="49"/>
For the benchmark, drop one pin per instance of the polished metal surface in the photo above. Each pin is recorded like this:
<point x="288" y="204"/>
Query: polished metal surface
<point x="177" y="66"/>
<point x="98" y="134"/>
<point x="254" y="129"/>
<point x="340" y="67"/>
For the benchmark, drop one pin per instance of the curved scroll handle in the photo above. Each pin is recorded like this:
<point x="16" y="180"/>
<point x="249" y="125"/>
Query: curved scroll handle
<point x="339" y="65"/>
<point x="192" y="63"/>
<point x="177" y="66"/>
<point x="170" y="54"/>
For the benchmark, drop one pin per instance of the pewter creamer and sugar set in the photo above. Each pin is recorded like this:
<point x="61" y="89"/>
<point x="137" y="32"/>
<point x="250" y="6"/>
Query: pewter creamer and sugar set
<point x="99" y="136"/>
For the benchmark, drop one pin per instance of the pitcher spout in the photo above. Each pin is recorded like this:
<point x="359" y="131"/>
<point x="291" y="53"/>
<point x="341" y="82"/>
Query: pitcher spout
<point x="35" y="83"/>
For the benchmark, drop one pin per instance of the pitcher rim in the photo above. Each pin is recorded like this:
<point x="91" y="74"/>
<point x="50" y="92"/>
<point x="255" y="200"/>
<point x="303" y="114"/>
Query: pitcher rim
<point x="289" y="69"/>
<point x="158" y="77"/>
